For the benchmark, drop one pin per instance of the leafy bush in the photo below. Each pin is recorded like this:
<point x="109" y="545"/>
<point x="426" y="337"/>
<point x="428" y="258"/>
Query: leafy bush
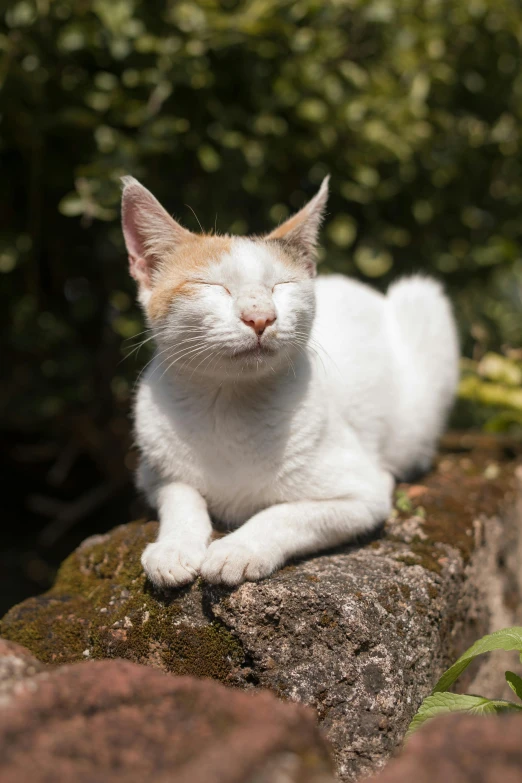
<point x="238" y="108"/>
<point x="441" y="702"/>
<point x="495" y="384"/>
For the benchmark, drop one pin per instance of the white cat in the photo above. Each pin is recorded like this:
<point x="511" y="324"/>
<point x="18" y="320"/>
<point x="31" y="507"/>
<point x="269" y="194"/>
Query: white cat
<point x="279" y="403"/>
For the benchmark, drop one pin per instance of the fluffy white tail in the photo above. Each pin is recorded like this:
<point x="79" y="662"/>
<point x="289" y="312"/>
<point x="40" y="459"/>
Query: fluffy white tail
<point x="425" y="345"/>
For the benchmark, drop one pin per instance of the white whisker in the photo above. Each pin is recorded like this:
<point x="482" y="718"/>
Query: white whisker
<point x="194" y="353"/>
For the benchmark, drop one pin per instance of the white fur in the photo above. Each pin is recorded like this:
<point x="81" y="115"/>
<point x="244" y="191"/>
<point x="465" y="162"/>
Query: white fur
<point x="297" y="449"/>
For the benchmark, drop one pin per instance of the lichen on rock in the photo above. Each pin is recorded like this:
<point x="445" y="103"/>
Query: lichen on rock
<point x="360" y="633"/>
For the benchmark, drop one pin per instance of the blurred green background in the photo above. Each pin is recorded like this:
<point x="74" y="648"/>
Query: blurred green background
<point x="236" y="110"/>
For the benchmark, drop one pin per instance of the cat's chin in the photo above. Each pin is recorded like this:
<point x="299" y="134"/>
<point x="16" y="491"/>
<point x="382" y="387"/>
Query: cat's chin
<point x="249" y="362"/>
<point x="253" y="352"/>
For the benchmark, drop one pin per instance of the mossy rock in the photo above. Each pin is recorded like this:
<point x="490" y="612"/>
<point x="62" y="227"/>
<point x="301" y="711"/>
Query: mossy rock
<point x="360" y="633"/>
<point x="101" y="606"/>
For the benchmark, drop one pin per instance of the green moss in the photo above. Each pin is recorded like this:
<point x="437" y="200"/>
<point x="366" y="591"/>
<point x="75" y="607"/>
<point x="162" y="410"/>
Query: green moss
<point x="148" y="629"/>
<point x="453" y="497"/>
<point x="458" y="495"/>
<point x="208" y="651"/>
<point x="58" y="626"/>
<point x="115" y="558"/>
<point x="103" y="604"/>
<point x="56" y="630"/>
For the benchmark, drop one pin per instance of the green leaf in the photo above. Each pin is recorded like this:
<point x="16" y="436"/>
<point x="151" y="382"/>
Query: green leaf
<point x="515" y="683"/>
<point x="444" y="703"/>
<point x="403" y="502"/>
<point x="505" y="639"/>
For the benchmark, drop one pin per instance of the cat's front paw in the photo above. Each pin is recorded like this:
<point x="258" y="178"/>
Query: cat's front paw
<point x="171" y="564"/>
<point x="231" y="562"/>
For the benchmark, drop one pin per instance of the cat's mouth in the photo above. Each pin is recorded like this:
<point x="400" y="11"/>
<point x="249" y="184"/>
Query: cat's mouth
<point x="254" y="351"/>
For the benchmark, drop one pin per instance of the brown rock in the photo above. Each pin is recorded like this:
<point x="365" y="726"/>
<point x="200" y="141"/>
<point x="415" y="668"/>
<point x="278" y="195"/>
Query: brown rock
<point x="361" y="634"/>
<point x="109" y="721"/>
<point x="460" y="749"/>
<point x="16" y="664"/>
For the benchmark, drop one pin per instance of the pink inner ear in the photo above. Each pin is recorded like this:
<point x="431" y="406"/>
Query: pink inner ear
<point x="302" y="229"/>
<point x="143" y="219"/>
<point x="149" y="231"/>
<point x="139" y="270"/>
<point x="133" y="241"/>
<point x="138" y="266"/>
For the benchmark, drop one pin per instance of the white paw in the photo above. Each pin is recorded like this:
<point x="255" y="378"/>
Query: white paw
<point x="230" y="562"/>
<point x="170" y="564"/>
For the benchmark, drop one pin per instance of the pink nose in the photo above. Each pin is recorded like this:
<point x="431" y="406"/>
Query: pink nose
<point x="258" y="322"/>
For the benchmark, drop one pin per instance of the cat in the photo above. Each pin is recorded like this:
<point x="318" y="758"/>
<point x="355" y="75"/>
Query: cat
<point x="283" y="404"/>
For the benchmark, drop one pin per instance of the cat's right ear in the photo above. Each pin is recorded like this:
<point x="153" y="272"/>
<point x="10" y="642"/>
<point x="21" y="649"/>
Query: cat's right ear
<point x="150" y="232"/>
<point x="302" y="229"/>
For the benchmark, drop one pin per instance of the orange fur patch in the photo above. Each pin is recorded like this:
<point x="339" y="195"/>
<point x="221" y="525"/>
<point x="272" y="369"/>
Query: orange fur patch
<point x="289" y="225"/>
<point x="191" y="259"/>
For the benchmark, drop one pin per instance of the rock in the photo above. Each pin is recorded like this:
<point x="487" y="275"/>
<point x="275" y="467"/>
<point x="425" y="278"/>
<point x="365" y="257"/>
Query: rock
<point x="16" y="664"/>
<point x="361" y="633"/>
<point x="109" y="721"/>
<point x="460" y="749"/>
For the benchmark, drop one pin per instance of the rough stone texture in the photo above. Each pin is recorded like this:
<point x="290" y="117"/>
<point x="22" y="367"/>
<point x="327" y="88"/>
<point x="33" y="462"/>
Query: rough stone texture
<point x="504" y="598"/>
<point x="116" y="721"/>
<point x="361" y="633"/>
<point x="460" y="749"/>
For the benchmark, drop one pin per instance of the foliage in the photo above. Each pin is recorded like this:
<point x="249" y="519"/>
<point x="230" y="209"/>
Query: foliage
<point x="442" y="702"/>
<point x="238" y="108"/>
<point x="495" y="383"/>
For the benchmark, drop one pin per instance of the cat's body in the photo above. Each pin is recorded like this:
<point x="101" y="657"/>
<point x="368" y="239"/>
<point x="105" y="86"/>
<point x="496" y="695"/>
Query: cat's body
<point x="297" y="445"/>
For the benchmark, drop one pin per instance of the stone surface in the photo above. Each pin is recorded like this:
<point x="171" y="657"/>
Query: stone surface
<point x="460" y="749"/>
<point x="112" y="721"/>
<point x="16" y="664"/>
<point x="361" y="633"/>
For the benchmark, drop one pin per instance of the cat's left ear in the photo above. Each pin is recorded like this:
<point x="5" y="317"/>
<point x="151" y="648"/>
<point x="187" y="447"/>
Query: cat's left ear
<point x="301" y="231"/>
<point x="150" y="233"/>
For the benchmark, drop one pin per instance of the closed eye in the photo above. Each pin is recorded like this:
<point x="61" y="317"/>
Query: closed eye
<point x="204" y="282"/>
<point x="284" y="282"/>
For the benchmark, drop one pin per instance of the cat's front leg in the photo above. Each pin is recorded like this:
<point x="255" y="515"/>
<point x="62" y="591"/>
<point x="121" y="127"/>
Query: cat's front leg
<point x="273" y="536"/>
<point x="185" y="529"/>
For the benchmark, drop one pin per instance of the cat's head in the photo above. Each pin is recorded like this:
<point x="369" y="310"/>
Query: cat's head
<point x="223" y="305"/>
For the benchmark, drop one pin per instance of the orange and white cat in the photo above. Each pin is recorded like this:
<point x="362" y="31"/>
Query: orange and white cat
<point x="281" y="404"/>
